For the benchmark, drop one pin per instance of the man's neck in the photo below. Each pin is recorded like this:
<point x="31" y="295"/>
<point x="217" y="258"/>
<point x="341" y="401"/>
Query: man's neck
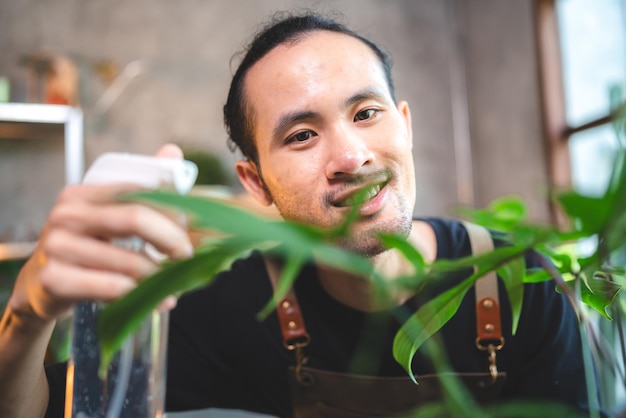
<point x="360" y="293"/>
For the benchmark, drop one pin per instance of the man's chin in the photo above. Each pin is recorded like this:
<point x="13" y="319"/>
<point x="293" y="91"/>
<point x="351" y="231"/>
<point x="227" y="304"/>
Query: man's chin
<point x="368" y="244"/>
<point x="367" y="250"/>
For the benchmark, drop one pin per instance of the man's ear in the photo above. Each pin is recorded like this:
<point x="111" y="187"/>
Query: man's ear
<point x="251" y="180"/>
<point x="403" y="108"/>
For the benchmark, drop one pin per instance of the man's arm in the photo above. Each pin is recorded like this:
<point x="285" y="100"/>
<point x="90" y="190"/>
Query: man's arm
<point x="23" y="384"/>
<point x="74" y="260"/>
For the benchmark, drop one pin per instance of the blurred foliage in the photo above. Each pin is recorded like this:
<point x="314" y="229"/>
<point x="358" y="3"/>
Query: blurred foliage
<point x="8" y="273"/>
<point x="210" y="167"/>
<point x="58" y="348"/>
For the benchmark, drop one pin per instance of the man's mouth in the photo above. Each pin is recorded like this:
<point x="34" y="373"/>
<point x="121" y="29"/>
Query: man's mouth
<point x="361" y="196"/>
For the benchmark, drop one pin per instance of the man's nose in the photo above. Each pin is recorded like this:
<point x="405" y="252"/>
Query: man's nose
<point x="348" y="153"/>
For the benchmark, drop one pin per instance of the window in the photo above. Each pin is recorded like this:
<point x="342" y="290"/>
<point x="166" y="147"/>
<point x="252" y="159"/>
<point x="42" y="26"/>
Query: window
<point x="593" y="56"/>
<point x="582" y="51"/>
<point x="582" y="46"/>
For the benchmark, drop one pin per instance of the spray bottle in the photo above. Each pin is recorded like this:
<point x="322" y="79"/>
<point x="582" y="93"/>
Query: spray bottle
<point x="134" y="386"/>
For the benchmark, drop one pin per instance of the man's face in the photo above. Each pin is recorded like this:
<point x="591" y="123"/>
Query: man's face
<point x="326" y="127"/>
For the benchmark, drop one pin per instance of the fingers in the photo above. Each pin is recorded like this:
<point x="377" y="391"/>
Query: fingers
<point x="71" y="283"/>
<point x="76" y="259"/>
<point x="93" y="211"/>
<point x="70" y="268"/>
<point x="168" y="304"/>
<point x="93" y="194"/>
<point x="169" y="151"/>
<point x="126" y="220"/>
<point x="87" y="252"/>
<point x="47" y="287"/>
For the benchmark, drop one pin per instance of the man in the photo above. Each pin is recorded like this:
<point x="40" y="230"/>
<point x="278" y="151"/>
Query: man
<point x="312" y="107"/>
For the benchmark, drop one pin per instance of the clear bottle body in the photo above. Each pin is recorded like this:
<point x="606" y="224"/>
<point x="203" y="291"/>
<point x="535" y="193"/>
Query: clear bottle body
<point x="134" y="385"/>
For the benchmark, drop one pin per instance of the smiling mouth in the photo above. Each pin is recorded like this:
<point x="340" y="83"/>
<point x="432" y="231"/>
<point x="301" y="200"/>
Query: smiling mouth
<point x="362" y="196"/>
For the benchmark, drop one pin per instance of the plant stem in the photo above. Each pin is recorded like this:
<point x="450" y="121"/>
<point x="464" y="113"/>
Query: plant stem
<point x="590" y="378"/>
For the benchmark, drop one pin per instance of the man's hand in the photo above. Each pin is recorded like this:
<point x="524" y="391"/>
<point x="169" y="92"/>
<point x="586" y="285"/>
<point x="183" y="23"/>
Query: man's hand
<point x="75" y="260"/>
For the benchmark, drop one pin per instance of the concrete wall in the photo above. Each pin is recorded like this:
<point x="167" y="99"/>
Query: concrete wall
<point x="504" y="103"/>
<point x="467" y="67"/>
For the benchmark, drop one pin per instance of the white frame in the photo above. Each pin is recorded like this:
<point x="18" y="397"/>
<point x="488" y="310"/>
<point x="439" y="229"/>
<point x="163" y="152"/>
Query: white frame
<point x="72" y="120"/>
<point x="70" y="117"/>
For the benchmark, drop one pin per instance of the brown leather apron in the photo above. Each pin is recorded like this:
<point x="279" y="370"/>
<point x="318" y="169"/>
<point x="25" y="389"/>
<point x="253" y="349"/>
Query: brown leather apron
<point x="325" y="394"/>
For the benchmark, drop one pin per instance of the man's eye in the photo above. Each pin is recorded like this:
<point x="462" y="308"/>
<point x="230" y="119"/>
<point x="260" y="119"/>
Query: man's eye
<point x="364" y="114"/>
<point x="301" y="136"/>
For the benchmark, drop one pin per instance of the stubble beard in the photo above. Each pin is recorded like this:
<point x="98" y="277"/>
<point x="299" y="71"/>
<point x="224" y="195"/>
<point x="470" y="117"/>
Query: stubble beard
<point x="366" y="242"/>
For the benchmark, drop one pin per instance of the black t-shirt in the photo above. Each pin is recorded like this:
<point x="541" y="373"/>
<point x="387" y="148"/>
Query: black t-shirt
<point x="220" y="355"/>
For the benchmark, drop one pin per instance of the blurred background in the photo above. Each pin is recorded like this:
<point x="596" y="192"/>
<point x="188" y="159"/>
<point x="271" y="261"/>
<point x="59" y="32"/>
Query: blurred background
<point x="509" y="97"/>
<point x="495" y="89"/>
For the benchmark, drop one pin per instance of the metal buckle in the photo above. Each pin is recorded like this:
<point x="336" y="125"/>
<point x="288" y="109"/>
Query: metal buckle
<point x="491" y="349"/>
<point x="301" y="358"/>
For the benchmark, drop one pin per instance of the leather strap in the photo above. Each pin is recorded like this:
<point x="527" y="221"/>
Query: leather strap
<point x="288" y="310"/>
<point x="488" y="324"/>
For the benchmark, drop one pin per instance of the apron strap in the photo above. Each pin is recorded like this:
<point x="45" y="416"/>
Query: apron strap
<point x="488" y="325"/>
<point x="295" y="336"/>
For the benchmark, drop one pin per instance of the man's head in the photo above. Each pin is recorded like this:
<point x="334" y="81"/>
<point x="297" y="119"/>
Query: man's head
<point x="237" y="118"/>
<point x="317" y="106"/>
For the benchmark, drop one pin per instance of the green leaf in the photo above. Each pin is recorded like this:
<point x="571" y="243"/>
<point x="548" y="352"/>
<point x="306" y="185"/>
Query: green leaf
<point x="359" y="198"/>
<point x="604" y="291"/>
<point x="425" y="322"/>
<point x="512" y="274"/>
<point x="302" y="240"/>
<point x="564" y="259"/>
<point x="538" y="276"/>
<point x="509" y="209"/>
<point x="121" y="318"/>
<point x="207" y="214"/>
<point x="597" y="292"/>
<point x="589" y="214"/>
<point x="287" y="277"/>
<point x="406" y="249"/>
<point x="589" y="265"/>
<point x="502" y="214"/>
<point x="563" y="262"/>
<point x="484" y="262"/>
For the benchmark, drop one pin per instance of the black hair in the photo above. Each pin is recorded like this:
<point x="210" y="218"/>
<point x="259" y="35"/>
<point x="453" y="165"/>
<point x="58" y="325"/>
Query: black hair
<point x="238" y="119"/>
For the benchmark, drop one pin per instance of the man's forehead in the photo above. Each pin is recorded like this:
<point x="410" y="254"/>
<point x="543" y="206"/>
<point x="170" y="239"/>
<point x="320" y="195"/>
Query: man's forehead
<point x="295" y="76"/>
<point x="323" y="41"/>
<point x="309" y="62"/>
<point x="323" y="45"/>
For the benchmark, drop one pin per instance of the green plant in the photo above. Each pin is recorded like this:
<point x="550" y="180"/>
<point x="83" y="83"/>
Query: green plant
<point x="8" y="272"/>
<point x="58" y="348"/>
<point x="592" y="282"/>
<point x="210" y="167"/>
